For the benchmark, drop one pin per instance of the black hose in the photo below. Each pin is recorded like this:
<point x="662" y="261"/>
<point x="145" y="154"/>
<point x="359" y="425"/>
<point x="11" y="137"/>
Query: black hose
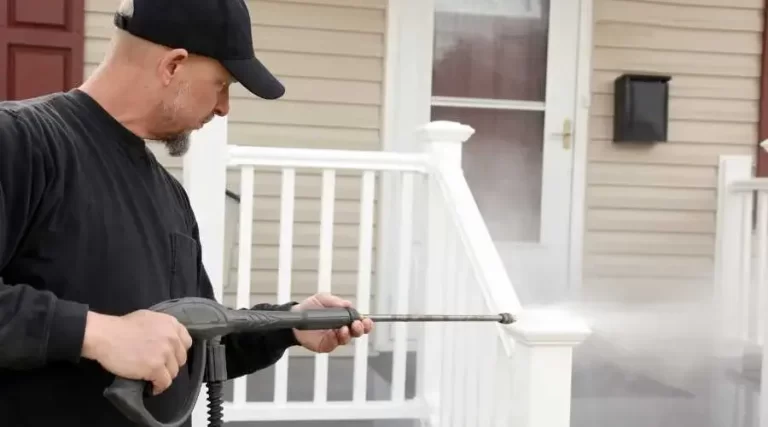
<point x="215" y="404"/>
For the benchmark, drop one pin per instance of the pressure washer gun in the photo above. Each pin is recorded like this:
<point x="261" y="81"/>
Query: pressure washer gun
<point x="208" y="321"/>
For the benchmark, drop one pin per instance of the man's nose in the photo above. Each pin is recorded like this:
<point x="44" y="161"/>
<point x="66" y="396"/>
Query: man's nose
<point x="222" y="107"/>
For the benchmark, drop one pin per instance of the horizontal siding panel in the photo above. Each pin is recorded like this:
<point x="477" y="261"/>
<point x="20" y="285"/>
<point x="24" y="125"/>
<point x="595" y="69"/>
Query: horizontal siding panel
<point x="302" y="113"/>
<point x="624" y="197"/>
<point x="645" y="290"/>
<point x="317" y="16"/>
<point x="679" y="16"/>
<point x="650" y="175"/>
<point x="670" y="153"/>
<point x="323" y="66"/>
<point x="626" y="35"/>
<point x="323" y="90"/>
<point x="726" y="115"/>
<point x="305" y="259"/>
<point x="280" y="39"/>
<point x="688" y="86"/>
<point x="302" y="282"/>
<point x="649" y="266"/>
<point x="306" y="234"/>
<point x="600" y="219"/>
<point x="650" y="243"/>
<point x="697" y="132"/>
<point x="285" y="64"/>
<point x="111" y="5"/>
<point x="679" y="62"/>
<point x="272" y="135"/>
<point x="719" y="4"/>
<point x="311" y="41"/>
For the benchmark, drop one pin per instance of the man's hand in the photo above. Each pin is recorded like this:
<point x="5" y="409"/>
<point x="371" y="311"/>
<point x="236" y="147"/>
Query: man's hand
<point x="143" y="345"/>
<point x="327" y="340"/>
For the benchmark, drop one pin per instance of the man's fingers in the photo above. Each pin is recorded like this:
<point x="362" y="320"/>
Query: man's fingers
<point x="357" y="329"/>
<point x="186" y="339"/>
<point x="367" y="325"/>
<point x="161" y="381"/>
<point x="329" y="300"/>
<point x="343" y="336"/>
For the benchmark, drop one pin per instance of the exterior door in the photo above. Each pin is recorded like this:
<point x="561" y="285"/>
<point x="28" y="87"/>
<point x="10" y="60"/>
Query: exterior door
<point x="41" y="47"/>
<point x="508" y="69"/>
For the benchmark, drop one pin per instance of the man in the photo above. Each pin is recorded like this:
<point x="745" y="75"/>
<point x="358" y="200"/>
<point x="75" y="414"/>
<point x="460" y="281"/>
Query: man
<point x="93" y="230"/>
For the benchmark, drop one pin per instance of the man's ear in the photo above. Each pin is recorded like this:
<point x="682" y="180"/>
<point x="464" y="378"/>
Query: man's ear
<point x="171" y="63"/>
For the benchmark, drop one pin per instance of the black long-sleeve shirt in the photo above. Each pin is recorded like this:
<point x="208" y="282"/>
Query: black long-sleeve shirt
<point x="89" y="220"/>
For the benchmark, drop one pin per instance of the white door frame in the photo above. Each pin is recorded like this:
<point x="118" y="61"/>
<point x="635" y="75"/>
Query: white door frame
<point x="407" y="104"/>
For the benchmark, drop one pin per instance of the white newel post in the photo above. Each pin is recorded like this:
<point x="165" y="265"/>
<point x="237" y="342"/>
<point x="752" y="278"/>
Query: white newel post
<point x="205" y="175"/>
<point x="542" y="369"/>
<point x="734" y="211"/>
<point x="443" y="143"/>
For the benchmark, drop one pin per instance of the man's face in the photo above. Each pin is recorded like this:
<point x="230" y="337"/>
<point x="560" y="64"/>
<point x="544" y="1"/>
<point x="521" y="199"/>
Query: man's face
<point x="195" y="89"/>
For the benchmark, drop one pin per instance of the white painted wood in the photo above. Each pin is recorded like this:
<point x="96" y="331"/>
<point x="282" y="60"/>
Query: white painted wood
<point x="729" y="285"/>
<point x="367" y="198"/>
<point x="408" y="89"/>
<point x="464" y="274"/>
<point x="245" y="248"/>
<point x="324" y="159"/>
<point x="310" y="411"/>
<point x="581" y="139"/>
<point x="204" y="177"/>
<point x="541" y="383"/>
<point x="494" y="104"/>
<point x="287" y="206"/>
<point x="324" y="272"/>
<point x="405" y="263"/>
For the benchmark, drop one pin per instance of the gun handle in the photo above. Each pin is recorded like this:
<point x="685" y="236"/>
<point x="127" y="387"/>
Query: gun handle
<point x="128" y="395"/>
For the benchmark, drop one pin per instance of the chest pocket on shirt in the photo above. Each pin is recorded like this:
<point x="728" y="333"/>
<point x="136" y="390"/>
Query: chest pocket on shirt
<point x="184" y="255"/>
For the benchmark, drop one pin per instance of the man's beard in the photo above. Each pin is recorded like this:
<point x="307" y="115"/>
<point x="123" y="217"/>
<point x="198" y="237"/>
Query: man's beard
<point x="178" y="145"/>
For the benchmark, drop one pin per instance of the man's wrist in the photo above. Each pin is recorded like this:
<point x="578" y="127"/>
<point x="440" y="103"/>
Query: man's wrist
<point x="94" y="334"/>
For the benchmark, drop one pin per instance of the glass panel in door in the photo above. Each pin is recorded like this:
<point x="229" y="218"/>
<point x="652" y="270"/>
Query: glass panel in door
<point x="489" y="71"/>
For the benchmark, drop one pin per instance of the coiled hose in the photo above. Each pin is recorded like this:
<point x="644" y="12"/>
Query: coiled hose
<point x="215" y="375"/>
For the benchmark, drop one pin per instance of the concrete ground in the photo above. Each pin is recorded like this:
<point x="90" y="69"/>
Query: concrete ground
<point x="609" y="390"/>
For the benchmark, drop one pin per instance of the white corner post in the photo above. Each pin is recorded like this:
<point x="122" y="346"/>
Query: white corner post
<point x="543" y="366"/>
<point x="205" y="177"/>
<point x="734" y="212"/>
<point x="443" y="144"/>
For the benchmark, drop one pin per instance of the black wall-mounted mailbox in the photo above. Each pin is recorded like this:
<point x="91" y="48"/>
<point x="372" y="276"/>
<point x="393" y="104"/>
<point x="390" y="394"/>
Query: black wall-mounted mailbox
<point x="641" y="106"/>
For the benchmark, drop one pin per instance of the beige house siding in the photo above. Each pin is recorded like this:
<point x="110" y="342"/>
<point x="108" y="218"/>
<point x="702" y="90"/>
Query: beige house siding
<point x="650" y="217"/>
<point x="330" y="56"/>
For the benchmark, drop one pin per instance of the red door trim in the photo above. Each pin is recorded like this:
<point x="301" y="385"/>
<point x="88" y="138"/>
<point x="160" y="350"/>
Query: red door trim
<point x="762" y="131"/>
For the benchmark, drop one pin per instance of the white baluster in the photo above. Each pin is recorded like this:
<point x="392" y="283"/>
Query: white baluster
<point x="367" y="198"/>
<point x="285" y="267"/>
<point x="324" y="272"/>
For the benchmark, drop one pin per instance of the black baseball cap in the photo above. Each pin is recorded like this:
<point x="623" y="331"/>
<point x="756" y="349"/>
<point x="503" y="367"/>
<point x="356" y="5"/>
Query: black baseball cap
<point x="218" y="29"/>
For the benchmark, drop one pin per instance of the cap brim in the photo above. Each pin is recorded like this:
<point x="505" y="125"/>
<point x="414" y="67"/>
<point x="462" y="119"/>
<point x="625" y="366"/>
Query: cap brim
<point x="255" y="77"/>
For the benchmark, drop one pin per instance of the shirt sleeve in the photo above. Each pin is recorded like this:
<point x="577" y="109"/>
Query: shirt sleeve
<point x="246" y="352"/>
<point x="36" y="327"/>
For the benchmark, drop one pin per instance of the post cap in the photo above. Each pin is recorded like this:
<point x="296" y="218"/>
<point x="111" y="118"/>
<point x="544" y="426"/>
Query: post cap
<point x="549" y="327"/>
<point x="446" y="131"/>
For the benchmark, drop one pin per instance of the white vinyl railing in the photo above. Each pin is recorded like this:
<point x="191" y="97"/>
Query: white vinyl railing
<point x="467" y="374"/>
<point x="741" y="273"/>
